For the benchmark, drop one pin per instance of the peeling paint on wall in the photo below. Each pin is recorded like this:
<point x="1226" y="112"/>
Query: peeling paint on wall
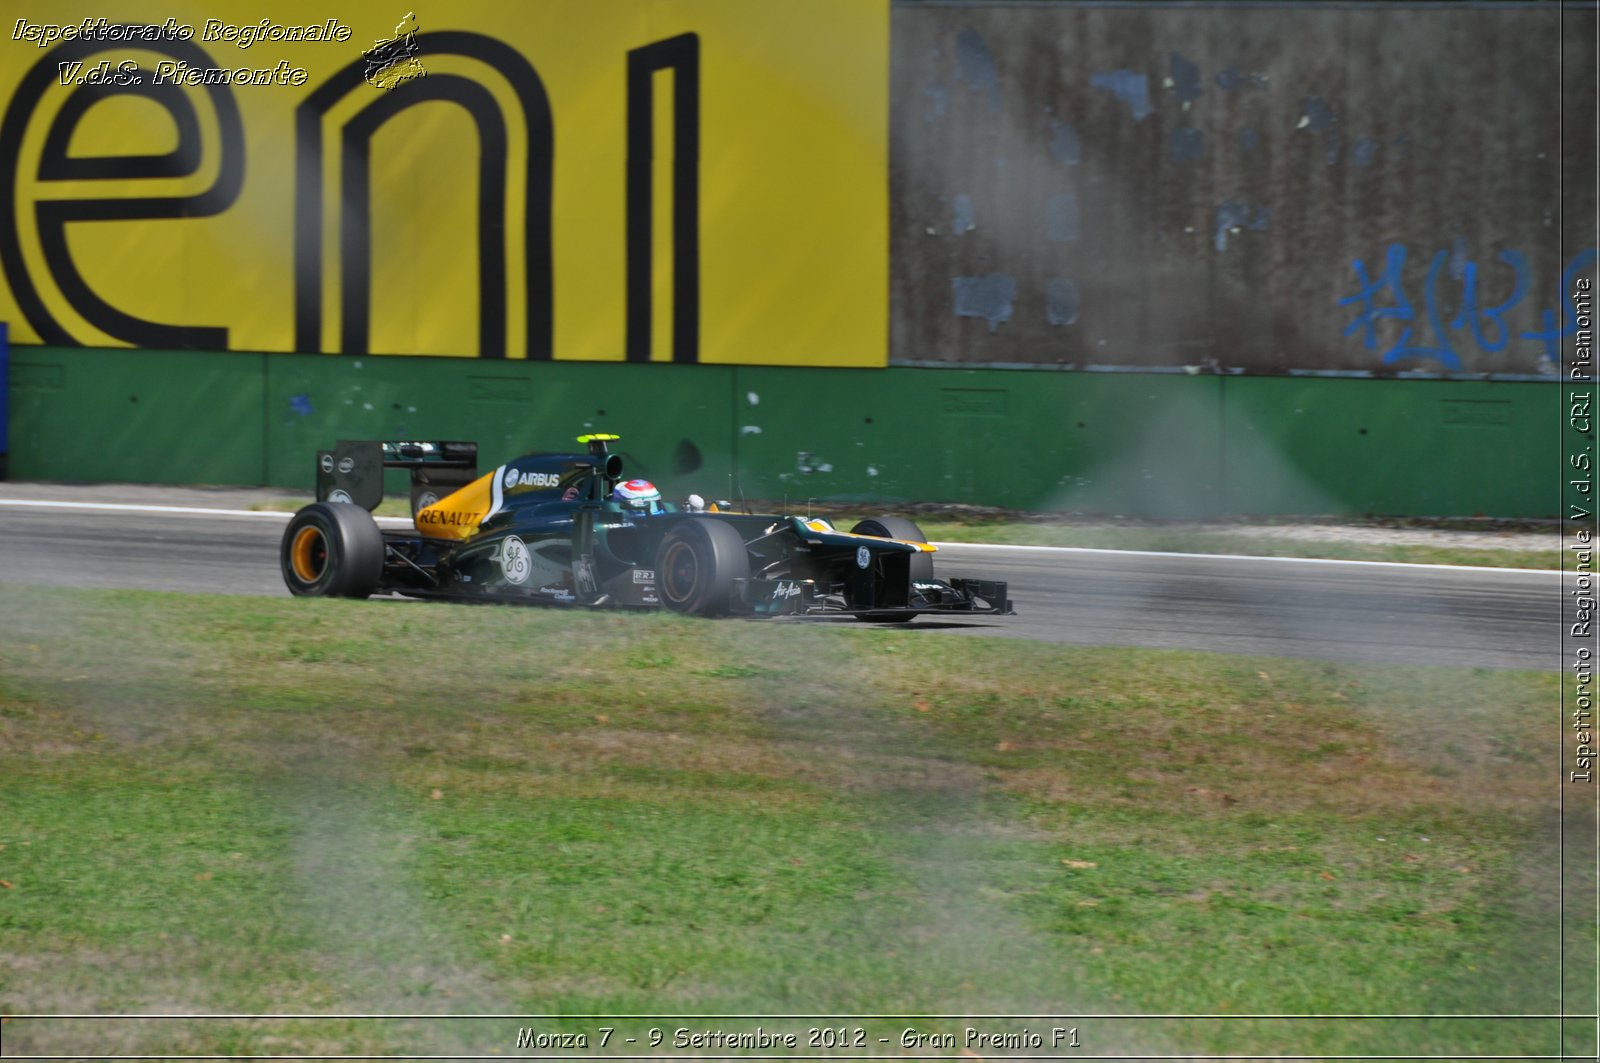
<point x="1234" y="217"/>
<point x="1186" y="143"/>
<point x="963" y="222"/>
<point x="1317" y="115"/>
<point x="1185" y="78"/>
<point x="1249" y="139"/>
<point x="1232" y="79"/>
<point x="807" y="463"/>
<point x="1061" y="219"/>
<point x="938" y="100"/>
<point x="1064" y="143"/>
<point x="1129" y="86"/>
<point x="1364" y="152"/>
<point x="976" y="65"/>
<point x="1061" y="301"/>
<point x="990" y="297"/>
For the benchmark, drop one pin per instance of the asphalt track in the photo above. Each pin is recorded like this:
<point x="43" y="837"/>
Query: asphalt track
<point x="1487" y="618"/>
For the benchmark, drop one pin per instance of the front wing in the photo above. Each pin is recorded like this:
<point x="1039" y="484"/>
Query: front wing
<point x="804" y="597"/>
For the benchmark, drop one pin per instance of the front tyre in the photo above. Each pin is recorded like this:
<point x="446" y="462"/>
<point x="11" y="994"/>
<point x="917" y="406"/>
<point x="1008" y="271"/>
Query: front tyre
<point x="921" y="563"/>
<point x="698" y="566"/>
<point x="331" y="550"/>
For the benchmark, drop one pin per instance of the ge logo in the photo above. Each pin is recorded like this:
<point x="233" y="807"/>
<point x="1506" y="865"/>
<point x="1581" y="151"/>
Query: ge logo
<point x="514" y="560"/>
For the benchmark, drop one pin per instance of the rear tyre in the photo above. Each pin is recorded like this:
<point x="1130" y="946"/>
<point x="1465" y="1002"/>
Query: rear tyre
<point x="921" y="563"/>
<point x="332" y="550"/>
<point x="697" y="566"/>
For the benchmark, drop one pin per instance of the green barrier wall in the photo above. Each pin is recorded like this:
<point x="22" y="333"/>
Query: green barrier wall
<point x="1146" y="445"/>
<point x="149" y="417"/>
<point x="1416" y="447"/>
<point x="1091" y="442"/>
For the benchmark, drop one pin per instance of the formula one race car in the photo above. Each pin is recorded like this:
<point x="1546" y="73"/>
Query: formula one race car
<point x="545" y="528"/>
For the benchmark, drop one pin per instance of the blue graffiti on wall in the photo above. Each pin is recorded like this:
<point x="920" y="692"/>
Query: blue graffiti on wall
<point x="1486" y="325"/>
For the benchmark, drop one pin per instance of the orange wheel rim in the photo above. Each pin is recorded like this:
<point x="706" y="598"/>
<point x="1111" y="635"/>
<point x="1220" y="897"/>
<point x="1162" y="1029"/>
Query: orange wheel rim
<point x="308" y="554"/>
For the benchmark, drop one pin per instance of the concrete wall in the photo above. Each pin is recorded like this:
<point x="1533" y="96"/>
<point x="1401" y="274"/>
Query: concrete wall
<point x="1155" y="445"/>
<point x="1354" y="187"/>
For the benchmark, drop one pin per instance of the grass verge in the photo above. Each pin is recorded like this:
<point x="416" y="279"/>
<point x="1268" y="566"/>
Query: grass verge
<point x="245" y="805"/>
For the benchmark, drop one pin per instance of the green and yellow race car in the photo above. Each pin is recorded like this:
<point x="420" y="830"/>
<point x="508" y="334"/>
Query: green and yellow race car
<point x="568" y="529"/>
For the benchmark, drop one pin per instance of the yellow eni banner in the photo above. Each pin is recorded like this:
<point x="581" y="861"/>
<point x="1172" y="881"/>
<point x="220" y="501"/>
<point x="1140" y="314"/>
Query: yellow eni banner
<point x="645" y="180"/>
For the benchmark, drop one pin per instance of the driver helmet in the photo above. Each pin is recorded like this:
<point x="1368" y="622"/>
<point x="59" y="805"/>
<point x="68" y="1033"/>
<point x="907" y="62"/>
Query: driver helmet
<point x="638" y="496"/>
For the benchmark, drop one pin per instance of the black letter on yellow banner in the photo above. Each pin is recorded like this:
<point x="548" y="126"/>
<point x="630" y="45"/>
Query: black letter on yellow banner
<point x="682" y="56"/>
<point x="355" y="226"/>
<point x="54" y="215"/>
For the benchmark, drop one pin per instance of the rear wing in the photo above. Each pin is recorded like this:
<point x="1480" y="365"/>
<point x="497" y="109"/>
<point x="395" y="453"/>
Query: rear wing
<point x="353" y="470"/>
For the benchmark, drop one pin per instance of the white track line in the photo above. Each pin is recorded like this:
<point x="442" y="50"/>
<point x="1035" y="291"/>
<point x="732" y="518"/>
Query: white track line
<point x="193" y="511"/>
<point x="1251" y="557"/>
